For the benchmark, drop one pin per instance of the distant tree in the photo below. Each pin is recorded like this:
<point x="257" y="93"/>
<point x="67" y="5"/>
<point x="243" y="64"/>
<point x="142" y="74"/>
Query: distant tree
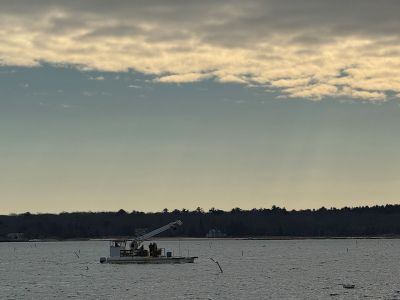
<point x="347" y="221"/>
<point x="199" y="210"/>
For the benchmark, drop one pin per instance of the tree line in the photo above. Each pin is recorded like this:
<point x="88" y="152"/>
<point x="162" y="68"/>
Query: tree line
<point x="274" y="222"/>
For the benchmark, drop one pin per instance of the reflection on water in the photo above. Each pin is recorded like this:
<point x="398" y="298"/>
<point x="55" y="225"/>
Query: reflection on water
<point x="304" y="269"/>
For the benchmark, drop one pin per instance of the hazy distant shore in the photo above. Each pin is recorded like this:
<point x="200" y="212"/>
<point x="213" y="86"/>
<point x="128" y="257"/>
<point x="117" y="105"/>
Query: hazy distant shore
<point x="375" y="222"/>
<point x="277" y="238"/>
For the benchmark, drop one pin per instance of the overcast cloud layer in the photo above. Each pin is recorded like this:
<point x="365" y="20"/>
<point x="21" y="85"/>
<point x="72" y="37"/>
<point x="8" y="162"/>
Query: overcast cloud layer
<point x="304" y="48"/>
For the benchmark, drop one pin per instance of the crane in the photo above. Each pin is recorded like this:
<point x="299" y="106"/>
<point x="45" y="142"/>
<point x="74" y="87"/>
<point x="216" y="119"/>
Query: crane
<point x="136" y="242"/>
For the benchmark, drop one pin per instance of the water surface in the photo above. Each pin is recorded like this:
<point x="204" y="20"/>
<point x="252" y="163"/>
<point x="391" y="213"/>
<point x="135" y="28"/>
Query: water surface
<point x="287" y="269"/>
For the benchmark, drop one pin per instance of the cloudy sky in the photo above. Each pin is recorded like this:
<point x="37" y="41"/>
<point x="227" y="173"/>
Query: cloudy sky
<point x="151" y="104"/>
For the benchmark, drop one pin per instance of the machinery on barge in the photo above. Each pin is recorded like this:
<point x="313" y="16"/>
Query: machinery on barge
<point x="133" y="252"/>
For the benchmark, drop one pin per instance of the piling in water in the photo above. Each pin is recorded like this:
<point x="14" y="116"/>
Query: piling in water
<point x="217" y="265"/>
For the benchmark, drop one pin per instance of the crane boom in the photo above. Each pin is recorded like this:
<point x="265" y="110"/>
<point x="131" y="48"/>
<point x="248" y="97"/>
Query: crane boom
<point x="158" y="231"/>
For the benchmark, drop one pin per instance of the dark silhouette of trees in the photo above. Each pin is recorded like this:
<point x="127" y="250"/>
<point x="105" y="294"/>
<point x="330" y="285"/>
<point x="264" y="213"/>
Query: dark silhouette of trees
<point x="275" y="222"/>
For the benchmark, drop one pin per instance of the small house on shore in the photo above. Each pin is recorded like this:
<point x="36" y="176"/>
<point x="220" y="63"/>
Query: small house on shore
<point x="15" y="236"/>
<point x="215" y="233"/>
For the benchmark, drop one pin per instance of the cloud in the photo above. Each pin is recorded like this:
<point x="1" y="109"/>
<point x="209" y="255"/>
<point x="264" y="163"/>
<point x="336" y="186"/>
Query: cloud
<point x="183" y="78"/>
<point x="307" y="48"/>
<point x="98" y="78"/>
<point x="88" y="94"/>
<point x="134" y="86"/>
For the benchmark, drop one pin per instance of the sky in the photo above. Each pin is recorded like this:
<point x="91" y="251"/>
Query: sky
<point x="145" y="105"/>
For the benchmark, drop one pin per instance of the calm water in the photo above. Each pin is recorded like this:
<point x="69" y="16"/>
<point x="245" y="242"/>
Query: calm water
<point x="307" y="269"/>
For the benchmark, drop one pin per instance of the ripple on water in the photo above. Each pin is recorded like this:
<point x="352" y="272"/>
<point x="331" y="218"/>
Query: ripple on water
<point x="304" y="269"/>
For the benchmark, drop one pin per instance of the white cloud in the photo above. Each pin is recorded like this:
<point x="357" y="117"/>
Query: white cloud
<point x="183" y="78"/>
<point x="306" y="48"/>
<point x="99" y="78"/>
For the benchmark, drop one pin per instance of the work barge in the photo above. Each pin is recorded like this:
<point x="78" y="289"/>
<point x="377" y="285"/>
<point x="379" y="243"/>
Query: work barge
<point x="132" y="251"/>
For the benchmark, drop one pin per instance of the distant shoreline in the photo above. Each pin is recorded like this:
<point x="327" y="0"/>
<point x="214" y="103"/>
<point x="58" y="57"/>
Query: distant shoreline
<point x="275" y="238"/>
<point x="256" y="224"/>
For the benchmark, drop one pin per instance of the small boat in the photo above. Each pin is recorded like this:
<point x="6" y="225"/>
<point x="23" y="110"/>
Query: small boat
<point x="133" y="252"/>
<point x="348" y="286"/>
